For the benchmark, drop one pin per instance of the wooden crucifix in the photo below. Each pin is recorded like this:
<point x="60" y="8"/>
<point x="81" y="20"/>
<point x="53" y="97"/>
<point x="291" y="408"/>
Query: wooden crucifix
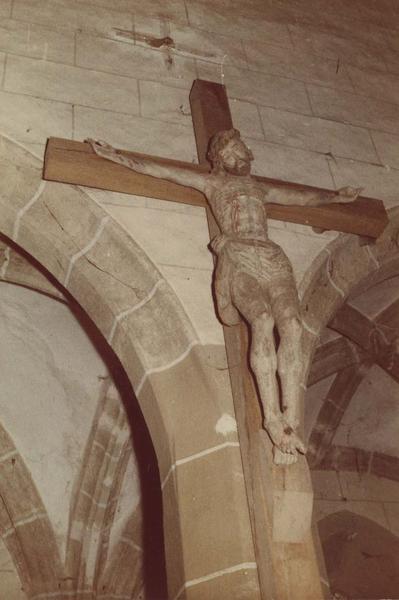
<point x="241" y="241"/>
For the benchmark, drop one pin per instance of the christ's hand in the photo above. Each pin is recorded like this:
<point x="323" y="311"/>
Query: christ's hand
<point x="347" y="194"/>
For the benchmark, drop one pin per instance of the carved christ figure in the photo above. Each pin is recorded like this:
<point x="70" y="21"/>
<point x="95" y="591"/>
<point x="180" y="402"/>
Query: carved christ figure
<point x="253" y="276"/>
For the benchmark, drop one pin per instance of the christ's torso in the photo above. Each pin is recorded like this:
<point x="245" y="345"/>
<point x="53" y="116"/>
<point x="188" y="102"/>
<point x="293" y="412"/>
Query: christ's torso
<point x="237" y="203"/>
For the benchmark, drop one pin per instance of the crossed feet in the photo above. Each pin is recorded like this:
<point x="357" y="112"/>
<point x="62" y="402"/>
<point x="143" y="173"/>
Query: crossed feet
<point x="286" y="442"/>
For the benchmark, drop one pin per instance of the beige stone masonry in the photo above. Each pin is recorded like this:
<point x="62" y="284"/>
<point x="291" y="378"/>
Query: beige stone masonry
<point x="392" y="512"/>
<point x="246" y="118"/>
<point x="124" y="58"/>
<point x="33" y="120"/>
<point x="378" y="181"/>
<point x="169" y="229"/>
<point x="291" y="164"/>
<point x="336" y="47"/>
<point x="16" y="269"/>
<point x="5" y="8"/>
<point x="71" y="15"/>
<point x="371" y="510"/>
<point x="352" y="108"/>
<point x="317" y="134"/>
<point x="292" y="503"/>
<point x="166" y="103"/>
<point x="175" y="141"/>
<point x="382" y="86"/>
<point x="280" y="61"/>
<point x="174" y="9"/>
<point x="217" y="519"/>
<point x="35" y="41"/>
<point x="65" y="83"/>
<point x="387" y="146"/>
<point x="123" y="576"/>
<point x="240" y="23"/>
<point x="259" y="88"/>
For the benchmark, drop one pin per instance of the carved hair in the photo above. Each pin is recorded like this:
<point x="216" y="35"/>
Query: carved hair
<point x="218" y="142"/>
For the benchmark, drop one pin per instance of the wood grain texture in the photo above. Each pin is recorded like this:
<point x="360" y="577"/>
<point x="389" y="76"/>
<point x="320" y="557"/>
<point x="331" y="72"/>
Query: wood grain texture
<point x="67" y="161"/>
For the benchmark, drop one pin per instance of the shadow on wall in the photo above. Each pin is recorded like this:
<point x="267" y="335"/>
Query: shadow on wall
<point x="361" y="557"/>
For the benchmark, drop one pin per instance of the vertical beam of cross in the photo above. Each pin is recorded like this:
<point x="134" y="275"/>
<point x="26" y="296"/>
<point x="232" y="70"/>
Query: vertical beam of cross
<point x="211" y="113"/>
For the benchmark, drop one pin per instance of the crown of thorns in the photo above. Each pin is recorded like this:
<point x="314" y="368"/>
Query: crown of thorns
<point x="219" y="141"/>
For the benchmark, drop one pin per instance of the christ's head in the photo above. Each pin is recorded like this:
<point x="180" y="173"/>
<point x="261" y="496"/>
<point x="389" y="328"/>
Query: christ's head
<point x="227" y="152"/>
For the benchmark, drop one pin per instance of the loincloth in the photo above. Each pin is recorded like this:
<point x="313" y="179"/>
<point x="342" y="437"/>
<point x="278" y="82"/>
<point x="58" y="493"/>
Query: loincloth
<point x="262" y="261"/>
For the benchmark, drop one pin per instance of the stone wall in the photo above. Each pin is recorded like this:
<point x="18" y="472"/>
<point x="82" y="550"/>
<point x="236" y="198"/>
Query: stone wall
<point x="314" y="94"/>
<point x="313" y="86"/>
<point x="376" y="498"/>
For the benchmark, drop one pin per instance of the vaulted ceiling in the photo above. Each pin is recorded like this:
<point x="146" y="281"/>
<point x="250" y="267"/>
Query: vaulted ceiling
<point x="352" y="407"/>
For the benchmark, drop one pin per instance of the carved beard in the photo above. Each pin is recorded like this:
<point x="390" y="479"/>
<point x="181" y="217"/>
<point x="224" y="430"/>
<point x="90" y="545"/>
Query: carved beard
<point x="242" y="167"/>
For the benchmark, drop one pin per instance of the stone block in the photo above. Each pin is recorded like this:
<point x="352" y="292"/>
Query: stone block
<point x="237" y="23"/>
<point x="353" y="109"/>
<point x="377" y="181"/>
<point x="214" y="523"/>
<point x="392" y="513"/>
<point x="191" y="42"/>
<point x="339" y="48"/>
<point x="136" y="133"/>
<point x="5" y="9"/>
<point x="32" y="120"/>
<point x="373" y="84"/>
<point x="170" y="233"/>
<point x="246" y="118"/>
<point x="320" y="135"/>
<point x="54" y="81"/>
<point x="368" y="487"/>
<point x="174" y="9"/>
<point x="290" y="164"/>
<point x="258" y="88"/>
<point x="387" y="146"/>
<point x="370" y="510"/>
<point x="166" y="103"/>
<point x="29" y="39"/>
<point x="124" y="58"/>
<point x="292" y="502"/>
<point x="326" y="485"/>
<point x="193" y="287"/>
<point x="300" y="248"/>
<point x="62" y="14"/>
<point x="309" y="68"/>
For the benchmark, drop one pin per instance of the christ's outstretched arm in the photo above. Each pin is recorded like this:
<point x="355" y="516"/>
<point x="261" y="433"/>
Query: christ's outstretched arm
<point x="176" y="174"/>
<point x="289" y="196"/>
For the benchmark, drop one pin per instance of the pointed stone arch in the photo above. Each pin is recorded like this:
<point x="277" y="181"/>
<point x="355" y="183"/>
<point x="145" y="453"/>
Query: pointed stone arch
<point x="131" y="304"/>
<point x="345" y="267"/>
<point x="25" y="527"/>
<point x="361" y="556"/>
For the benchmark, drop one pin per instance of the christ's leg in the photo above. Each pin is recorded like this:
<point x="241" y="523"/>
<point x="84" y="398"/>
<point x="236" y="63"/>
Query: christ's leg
<point x="249" y="298"/>
<point x="290" y="365"/>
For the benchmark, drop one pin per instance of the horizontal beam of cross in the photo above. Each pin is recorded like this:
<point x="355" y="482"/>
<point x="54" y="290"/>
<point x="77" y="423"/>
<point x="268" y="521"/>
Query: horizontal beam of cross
<point x="67" y="161"/>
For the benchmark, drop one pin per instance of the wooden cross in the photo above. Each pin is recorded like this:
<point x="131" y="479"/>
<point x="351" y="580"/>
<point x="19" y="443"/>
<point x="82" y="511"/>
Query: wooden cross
<point x="73" y="162"/>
